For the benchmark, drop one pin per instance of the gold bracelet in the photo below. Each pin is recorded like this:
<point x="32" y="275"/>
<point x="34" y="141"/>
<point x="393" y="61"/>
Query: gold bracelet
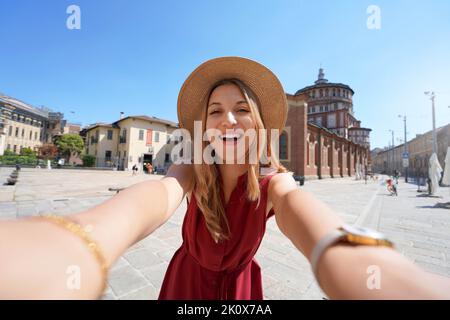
<point x="78" y="230"/>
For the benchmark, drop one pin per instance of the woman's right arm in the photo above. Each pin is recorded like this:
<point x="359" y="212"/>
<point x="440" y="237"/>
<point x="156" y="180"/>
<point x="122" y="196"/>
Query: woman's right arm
<point x="37" y="256"/>
<point x="137" y="211"/>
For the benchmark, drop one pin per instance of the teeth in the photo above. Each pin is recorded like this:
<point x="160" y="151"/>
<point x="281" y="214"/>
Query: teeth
<point x="230" y="136"/>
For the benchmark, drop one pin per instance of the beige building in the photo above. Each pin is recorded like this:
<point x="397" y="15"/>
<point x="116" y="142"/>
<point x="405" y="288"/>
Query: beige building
<point x="419" y="149"/>
<point x="25" y="126"/>
<point x="133" y="140"/>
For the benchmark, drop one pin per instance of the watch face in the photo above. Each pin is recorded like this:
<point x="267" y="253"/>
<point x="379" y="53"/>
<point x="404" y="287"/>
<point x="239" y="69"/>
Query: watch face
<point x="363" y="232"/>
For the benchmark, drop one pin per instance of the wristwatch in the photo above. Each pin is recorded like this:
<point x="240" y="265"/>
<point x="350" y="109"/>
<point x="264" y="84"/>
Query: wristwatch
<point x="351" y="235"/>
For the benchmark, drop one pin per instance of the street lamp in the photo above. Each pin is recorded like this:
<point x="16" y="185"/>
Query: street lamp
<point x="405" y="149"/>
<point x="393" y="146"/>
<point x="432" y="96"/>
<point x="448" y="137"/>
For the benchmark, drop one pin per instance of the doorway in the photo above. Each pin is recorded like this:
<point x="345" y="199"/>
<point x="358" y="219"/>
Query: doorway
<point x="148" y="158"/>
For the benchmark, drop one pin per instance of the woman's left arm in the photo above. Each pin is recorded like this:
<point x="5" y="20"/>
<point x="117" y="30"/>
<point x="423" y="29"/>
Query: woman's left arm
<point x="299" y="215"/>
<point x="342" y="270"/>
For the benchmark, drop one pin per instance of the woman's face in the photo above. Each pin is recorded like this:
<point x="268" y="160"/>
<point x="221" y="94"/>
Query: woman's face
<point x="229" y="116"/>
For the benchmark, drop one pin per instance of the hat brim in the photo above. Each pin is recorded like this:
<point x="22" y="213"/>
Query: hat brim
<point x="263" y="82"/>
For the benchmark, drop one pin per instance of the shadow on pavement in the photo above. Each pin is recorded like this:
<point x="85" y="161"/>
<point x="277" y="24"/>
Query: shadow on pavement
<point x="428" y="196"/>
<point x="439" y="205"/>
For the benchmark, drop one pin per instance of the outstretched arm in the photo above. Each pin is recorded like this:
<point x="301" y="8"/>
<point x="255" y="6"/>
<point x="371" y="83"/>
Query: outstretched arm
<point x="343" y="270"/>
<point x="36" y="255"/>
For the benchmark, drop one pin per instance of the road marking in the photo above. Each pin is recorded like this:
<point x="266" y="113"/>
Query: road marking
<point x="362" y="217"/>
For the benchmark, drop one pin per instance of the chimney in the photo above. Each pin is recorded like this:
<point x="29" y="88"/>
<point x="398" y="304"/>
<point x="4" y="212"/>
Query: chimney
<point x="121" y="115"/>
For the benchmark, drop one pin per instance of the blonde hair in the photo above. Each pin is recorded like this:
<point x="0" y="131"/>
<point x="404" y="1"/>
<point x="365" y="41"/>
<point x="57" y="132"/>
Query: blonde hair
<point x="207" y="185"/>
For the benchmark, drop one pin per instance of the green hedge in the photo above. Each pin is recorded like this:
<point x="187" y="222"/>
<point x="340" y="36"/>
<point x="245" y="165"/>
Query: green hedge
<point x="17" y="159"/>
<point x="88" y="160"/>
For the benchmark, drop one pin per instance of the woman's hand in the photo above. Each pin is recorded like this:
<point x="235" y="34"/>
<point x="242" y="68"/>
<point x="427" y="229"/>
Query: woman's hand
<point x="35" y="254"/>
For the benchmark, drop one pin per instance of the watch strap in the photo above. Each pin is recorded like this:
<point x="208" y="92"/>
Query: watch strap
<point x="328" y="240"/>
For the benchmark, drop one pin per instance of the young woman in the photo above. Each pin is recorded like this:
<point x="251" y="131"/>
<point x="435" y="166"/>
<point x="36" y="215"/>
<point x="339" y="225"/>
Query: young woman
<point x="229" y="204"/>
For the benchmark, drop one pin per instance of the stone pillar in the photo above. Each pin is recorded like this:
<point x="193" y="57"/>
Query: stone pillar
<point x="333" y="162"/>
<point x="350" y="159"/>
<point x="320" y="155"/>
<point x="344" y="169"/>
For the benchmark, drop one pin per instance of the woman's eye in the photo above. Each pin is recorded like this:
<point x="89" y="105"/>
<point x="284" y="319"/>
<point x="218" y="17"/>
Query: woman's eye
<point x="213" y="112"/>
<point x="243" y="110"/>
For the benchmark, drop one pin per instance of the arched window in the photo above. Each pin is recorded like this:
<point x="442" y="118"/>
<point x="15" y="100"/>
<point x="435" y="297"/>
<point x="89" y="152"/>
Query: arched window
<point x="283" y="146"/>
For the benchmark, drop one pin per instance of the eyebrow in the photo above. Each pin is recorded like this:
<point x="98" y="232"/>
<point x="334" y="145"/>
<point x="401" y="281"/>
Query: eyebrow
<point x="219" y="104"/>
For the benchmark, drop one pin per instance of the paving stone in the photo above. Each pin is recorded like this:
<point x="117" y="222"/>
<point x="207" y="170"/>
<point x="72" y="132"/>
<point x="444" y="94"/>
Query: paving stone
<point x="147" y="293"/>
<point x="142" y="258"/>
<point x="125" y="280"/>
<point x="281" y="292"/>
<point x="155" y="274"/>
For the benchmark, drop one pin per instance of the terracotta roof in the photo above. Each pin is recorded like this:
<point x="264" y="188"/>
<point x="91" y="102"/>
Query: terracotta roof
<point x="152" y="119"/>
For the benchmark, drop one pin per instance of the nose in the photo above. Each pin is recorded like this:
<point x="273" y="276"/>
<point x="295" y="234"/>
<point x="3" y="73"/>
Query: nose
<point x="230" y="120"/>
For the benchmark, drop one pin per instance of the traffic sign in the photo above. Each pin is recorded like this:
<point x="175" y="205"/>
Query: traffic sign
<point x="405" y="163"/>
<point x="405" y="155"/>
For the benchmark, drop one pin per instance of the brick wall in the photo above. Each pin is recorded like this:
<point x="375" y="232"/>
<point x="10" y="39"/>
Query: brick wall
<point x="316" y="152"/>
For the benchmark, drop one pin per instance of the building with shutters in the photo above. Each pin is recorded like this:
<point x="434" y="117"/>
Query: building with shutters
<point x="132" y="140"/>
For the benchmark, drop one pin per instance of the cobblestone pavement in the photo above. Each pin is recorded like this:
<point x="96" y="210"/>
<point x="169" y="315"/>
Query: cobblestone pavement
<point x="417" y="223"/>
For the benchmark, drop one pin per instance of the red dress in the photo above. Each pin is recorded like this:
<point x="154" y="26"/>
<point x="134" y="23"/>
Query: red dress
<point x="204" y="269"/>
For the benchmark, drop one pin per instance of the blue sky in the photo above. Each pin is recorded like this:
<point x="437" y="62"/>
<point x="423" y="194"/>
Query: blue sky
<point x="133" y="56"/>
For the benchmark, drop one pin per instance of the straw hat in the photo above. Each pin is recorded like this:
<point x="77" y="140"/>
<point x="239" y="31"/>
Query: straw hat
<point x="194" y="93"/>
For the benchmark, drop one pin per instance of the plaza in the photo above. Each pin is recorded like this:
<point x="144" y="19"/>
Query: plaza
<point x="419" y="225"/>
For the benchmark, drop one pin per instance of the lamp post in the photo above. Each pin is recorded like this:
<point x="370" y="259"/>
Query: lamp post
<point x="448" y="135"/>
<point x="393" y="146"/>
<point x="405" y="149"/>
<point x="432" y="96"/>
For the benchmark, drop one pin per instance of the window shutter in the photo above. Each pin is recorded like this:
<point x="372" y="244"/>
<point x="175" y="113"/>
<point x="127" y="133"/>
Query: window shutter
<point x="149" y="137"/>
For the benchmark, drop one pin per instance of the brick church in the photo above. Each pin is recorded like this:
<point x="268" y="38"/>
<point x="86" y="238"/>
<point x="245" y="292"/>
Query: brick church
<point x="322" y="137"/>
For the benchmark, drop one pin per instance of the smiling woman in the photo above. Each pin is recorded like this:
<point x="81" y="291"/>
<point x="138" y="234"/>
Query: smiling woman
<point x="229" y="110"/>
<point x="232" y="112"/>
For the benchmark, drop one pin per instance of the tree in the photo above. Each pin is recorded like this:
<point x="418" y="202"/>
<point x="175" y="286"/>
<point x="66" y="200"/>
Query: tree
<point x="28" y="152"/>
<point x="70" y="144"/>
<point x="48" y="151"/>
